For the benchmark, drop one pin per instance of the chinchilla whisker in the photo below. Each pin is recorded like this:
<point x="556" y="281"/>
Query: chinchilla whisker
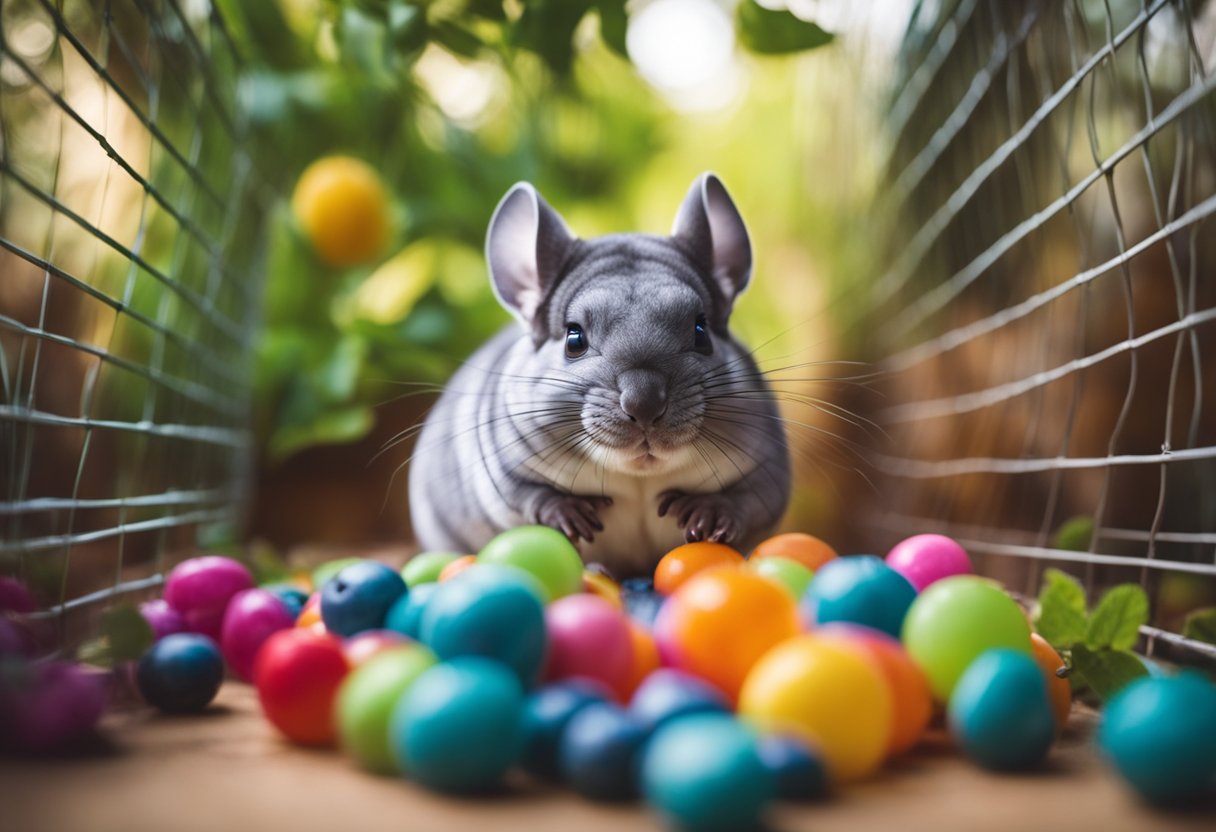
<point x="836" y="440"/>
<point x="835" y="411"/>
<point x="398" y="438"/>
<point x="715" y="438"/>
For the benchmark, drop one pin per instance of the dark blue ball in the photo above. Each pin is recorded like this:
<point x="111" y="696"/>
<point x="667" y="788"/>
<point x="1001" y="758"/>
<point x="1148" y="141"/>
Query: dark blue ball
<point x="860" y="589"/>
<point x="293" y="597"/>
<point x="359" y="597"/>
<point x="642" y="607"/>
<point x="632" y="586"/>
<point x="547" y="712"/>
<point x="600" y="752"/>
<point x="799" y="772"/>
<point x="1000" y="711"/>
<point x="668" y="694"/>
<point x="181" y="673"/>
<point x="405" y="616"/>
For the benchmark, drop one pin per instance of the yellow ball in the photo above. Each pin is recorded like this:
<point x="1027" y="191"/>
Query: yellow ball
<point x="343" y="207"/>
<point x="828" y="694"/>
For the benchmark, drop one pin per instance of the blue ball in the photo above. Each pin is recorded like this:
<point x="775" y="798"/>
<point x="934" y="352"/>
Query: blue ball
<point x="860" y="589"/>
<point x="489" y="610"/>
<point x="546" y="714"/>
<point x="1000" y="711"/>
<point x="704" y="773"/>
<point x="599" y="752"/>
<point x="799" y="772"/>
<point x="1160" y="733"/>
<point x="291" y="596"/>
<point x="181" y="673"/>
<point x="667" y="694"/>
<point x="642" y="607"/>
<point x="405" y="616"/>
<point x="359" y="597"/>
<point x="459" y="727"/>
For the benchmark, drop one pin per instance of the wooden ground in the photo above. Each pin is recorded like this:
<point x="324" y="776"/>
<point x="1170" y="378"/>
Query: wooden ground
<point x="227" y="770"/>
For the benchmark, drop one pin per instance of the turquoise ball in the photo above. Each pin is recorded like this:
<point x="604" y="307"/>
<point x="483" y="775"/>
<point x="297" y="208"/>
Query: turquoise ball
<point x="405" y="616"/>
<point x="859" y="589"/>
<point x="1000" y="711"/>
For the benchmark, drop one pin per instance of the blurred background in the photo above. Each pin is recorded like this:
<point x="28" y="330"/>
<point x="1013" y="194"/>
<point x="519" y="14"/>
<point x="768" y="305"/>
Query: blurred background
<point x="983" y="284"/>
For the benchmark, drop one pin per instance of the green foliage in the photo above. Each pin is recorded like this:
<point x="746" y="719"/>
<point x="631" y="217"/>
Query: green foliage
<point x="1075" y="535"/>
<point x="1201" y="625"/>
<point x="125" y="636"/>
<point x="1061" y="612"/>
<point x="776" y="32"/>
<point x="1106" y="671"/>
<point x="1117" y="619"/>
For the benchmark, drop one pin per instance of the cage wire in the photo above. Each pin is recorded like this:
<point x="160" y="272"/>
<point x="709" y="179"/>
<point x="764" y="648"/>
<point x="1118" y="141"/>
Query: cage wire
<point x="129" y="292"/>
<point x="1048" y="305"/>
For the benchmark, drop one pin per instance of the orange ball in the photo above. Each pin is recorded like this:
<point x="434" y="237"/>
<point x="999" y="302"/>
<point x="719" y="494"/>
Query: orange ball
<point x="808" y="550"/>
<point x="682" y="562"/>
<point x="1059" y="689"/>
<point x="720" y="622"/>
<point x="603" y="586"/>
<point x="456" y="567"/>
<point x="311" y="613"/>
<point x="645" y="659"/>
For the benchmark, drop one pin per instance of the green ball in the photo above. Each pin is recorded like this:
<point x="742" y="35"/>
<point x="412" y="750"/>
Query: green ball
<point x="542" y="551"/>
<point x="791" y="574"/>
<point x="956" y="619"/>
<point x="322" y="574"/>
<point x="424" y="568"/>
<point x="366" y="700"/>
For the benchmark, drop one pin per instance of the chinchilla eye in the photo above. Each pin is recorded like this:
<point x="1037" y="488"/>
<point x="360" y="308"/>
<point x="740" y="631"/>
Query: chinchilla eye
<point x="576" y="341"/>
<point x="701" y="342"/>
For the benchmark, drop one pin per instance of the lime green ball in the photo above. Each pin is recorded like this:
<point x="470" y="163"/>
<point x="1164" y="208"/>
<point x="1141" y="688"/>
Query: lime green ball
<point x="322" y="574"/>
<point x="424" y="568"/>
<point x="956" y="619"/>
<point x="366" y="700"/>
<point x="542" y="551"/>
<point x="791" y="574"/>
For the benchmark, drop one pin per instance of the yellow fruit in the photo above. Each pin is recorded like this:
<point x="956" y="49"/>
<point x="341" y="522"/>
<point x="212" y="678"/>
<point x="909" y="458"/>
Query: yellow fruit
<point x="343" y="207"/>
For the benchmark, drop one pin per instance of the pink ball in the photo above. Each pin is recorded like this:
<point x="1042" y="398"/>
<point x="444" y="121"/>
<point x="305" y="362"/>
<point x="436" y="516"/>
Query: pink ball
<point x="253" y="616"/>
<point x="359" y="648"/>
<point x="162" y="618"/>
<point x="664" y="638"/>
<point x="15" y="596"/>
<point x="46" y="706"/>
<point x="200" y="589"/>
<point x="927" y="558"/>
<point x="588" y="638"/>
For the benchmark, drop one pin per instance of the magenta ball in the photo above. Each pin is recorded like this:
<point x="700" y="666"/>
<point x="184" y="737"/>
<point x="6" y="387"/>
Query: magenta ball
<point x="15" y="596"/>
<point x="927" y="558"/>
<point x="47" y="706"/>
<point x="253" y="616"/>
<point x="162" y="618"/>
<point x="664" y="638"/>
<point x="589" y="638"/>
<point x="200" y="589"/>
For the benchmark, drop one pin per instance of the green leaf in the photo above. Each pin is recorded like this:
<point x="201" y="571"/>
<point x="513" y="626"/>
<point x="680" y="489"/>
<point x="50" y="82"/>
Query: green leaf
<point x="337" y="378"/>
<point x="347" y="424"/>
<point x="614" y="22"/>
<point x="1118" y="617"/>
<point x="1107" y="671"/>
<point x="547" y="28"/>
<point x="1075" y="535"/>
<point x="1061" y="614"/>
<point x="1201" y="625"/>
<point x="128" y="634"/>
<point x="770" y="32"/>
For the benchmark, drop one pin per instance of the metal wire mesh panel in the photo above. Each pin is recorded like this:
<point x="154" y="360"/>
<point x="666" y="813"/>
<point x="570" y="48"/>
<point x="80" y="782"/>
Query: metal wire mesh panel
<point x="128" y="292"/>
<point x="1048" y="306"/>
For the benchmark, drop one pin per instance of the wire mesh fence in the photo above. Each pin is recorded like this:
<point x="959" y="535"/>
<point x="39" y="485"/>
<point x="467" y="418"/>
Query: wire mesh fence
<point x="129" y="293"/>
<point x="1048" y="308"/>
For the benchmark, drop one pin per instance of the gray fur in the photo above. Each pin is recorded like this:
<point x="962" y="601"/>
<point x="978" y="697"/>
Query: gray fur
<point x="639" y="444"/>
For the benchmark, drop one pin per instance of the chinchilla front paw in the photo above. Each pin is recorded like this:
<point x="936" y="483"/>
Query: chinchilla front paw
<point x="702" y="516"/>
<point x="575" y="516"/>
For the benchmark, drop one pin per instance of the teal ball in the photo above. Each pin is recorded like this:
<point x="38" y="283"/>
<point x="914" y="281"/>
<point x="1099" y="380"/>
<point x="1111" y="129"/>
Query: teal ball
<point x="859" y="589"/>
<point x="1000" y="711"/>
<point x="405" y="615"/>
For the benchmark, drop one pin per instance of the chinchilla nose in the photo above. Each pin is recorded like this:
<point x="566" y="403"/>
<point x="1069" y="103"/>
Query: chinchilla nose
<point x="643" y="396"/>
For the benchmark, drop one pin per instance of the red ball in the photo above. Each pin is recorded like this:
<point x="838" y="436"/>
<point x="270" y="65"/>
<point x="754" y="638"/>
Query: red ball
<point x="297" y="673"/>
<point x="589" y="639"/>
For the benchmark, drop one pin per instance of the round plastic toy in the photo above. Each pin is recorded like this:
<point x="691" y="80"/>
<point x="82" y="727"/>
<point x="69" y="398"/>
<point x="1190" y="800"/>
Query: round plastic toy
<point x="253" y="615"/>
<point x="546" y="714"/>
<point x="425" y="567"/>
<point x="589" y="638"/>
<point x="1158" y="732"/>
<point x="359" y="597"/>
<point x="645" y="659"/>
<point x="599" y="750"/>
<point x="322" y="574"/>
<point x="641" y="605"/>
<point x="368" y="644"/>
<point x="669" y="694"/>
<point x="704" y="773"/>
<point x="294" y="597"/>
<point x="366" y="700"/>
<point x="47" y="706"/>
<point x="719" y="623"/>
<point x="808" y="550"/>
<point x="927" y="558"/>
<point x="15" y="596"/>
<point x="955" y="620"/>
<point x="597" y="583"/>
<point x="456" y="567"/>
<point x="828" y="694"/>
<point x="310" y="615"/>
<point x="297" y="673"/>
<point x="200" y="589"/>
<point x="545" y="552"/>
<point x="682" y="562"/>
<point x="181" y="673"/>
<point x="1000" y="712"/>
<point x="405" y="616"/>
<point x="1057" y="686"/>
<point x="860" y="589"/>
<point x="460" y="726"/>
<point x="162" y="618"/>
<point x="788" y="573"/>
<point x="799" y="772"/>
<point x="489" y="610"/>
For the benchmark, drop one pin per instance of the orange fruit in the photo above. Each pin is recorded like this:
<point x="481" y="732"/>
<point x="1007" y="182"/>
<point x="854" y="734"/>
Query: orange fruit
<point x="808" y="550"/>
<point x="1058" y="688"/>
<point x="682" y="562"/>
<point x="343" y="207"/>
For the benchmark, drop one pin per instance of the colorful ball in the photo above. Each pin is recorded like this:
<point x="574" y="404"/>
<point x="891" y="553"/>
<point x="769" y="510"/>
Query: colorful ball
<point x="294" y="597"/>
<point x="956" y="619"/>
<point x="181" y="673"/>
<point x="597" y="583"/>
<point x="786" y="572"/>
<point x="368" y="644"/>
<point x="860" y="589"/>
<point x="405" y="616"/>
<point x="669" y="694"/>
<point x="828" y="694"/>
<point x="253" y="615"/>
<point x="297" y="673"/>
<point x="808" y="550"/>
<point x="310" y="615"/>
<point x="719" y="624"/>
<point x="642" y="606"/>
<point x="1000" y="711"/>
<point x="456" y="567"/>
<point x="162" y="618"/>
<point x="47" y="706"/>
<point x="799" y="771"/>
<point x="1158" y="732"/>
<point x="492" y="611"/>
<point x="366" y="700"/>
<point x="927" y="558"/>
<point x="1057" y="686"/>
<point x="704" y="773"/>
<point x="200" y="589"/>
<point x="598" y="753"/>
<point x="645" y="659"/>
<point x="459" y="728"/>
<point x="682" y="562"/>
<point x="589" y="638"/>
<point x="426" y="567"/>
<point x="547" y="712"/>
<point x="542" y="551"/>
<point x="359" y="597"/>
<point x="322" y="574"/>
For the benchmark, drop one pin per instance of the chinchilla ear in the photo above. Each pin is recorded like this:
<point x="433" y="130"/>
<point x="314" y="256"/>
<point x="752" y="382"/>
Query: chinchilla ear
<point x="708" y="223"/>
<point x="525" y="246"/>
